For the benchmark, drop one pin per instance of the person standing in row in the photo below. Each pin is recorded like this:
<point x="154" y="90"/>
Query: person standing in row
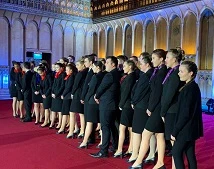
<point x="188" y="121"/>
<point x="107" y="98"/>
<point x="127" y="83"/>
<point x="27" y="91"/>
<point x="57" y="90"/>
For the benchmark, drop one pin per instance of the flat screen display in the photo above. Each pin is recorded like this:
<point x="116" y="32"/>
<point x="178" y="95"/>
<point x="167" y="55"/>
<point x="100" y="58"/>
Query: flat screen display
<point x="37" y="56"/>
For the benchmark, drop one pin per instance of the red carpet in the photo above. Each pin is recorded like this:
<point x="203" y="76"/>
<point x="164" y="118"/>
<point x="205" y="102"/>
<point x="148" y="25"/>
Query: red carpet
<point x="26" y="146"/>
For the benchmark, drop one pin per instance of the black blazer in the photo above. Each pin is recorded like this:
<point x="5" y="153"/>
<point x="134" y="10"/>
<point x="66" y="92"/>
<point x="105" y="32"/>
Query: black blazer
<point x="35" y="86"/>
<point x="68" y="87"/>
<point x="156" y="89"/>
<point x="93" y="86"/>
<point x="12" y="75"/>
<point x="46" y="85"/>
<point x="109" y="90"/>
<point x="78" y="84"/>
<point x="59" y="85"/>
<point x="26" y="82"/>
<point x="18" y="82"/>
<point x="141" y="90"/>
<point x="188" y="122"/>
<point x="86" y="84"/>
<point x="125" y="90"/>
<point x="170" y="93"/>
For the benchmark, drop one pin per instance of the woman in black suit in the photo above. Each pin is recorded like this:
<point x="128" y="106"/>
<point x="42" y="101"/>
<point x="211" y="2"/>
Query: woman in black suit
<point x="13" y="91"/>
<point x="139" y="101"/>
<point x="37" y="97"/>
<point x="76" y="106"/>
<point x="93" y="107"/>
<point x="127" y="83"/>
<point x="20" y="95"/>
<point x="188" y="122"/>
<point x="57" y="90"/>
<point x="45" y="91"/>
<point x="154" y="124"/>
<point x="71" y="71"/>
<point x="171" y="86"/>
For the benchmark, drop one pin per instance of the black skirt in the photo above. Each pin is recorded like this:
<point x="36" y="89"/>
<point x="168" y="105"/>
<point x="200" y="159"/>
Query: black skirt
<point x="47" y="102"/>
<point x="155" y="123"/>
<point x="140" y="118"/>
<point x="77" y="107"/>
<point x="56" y="105"/>
<point x="93" y="113"/>
<point x="127" y="117"/>
<point x="37" y="98"/>
<point x="169" y="125"/>
<point x="66" y="103"/>
<point x="13" y="90"/>
<point x="20" y="95"/>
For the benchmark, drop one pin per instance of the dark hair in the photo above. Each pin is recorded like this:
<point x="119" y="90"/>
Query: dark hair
<point x="122" y="57"/>
<point x="147" y="60"/>
<point x="16" y="63"/>
<point x="132" y="64"/>
<point x="72" y="67"/>
<point x="102" y="60"/>
<point x="26" y="65"/>
<point x="145" y="54"/>
<point x="100" y="65"/>
<point x="72" y="57"/>
<point x="160" y="53"/>
<point x="41" y="68"/>
<point x="65" y="59"/>
<point x="191" y="67"/>
<point x="113" y="60"/>
<point x="177" y="54"/>
<point x="134" y="58"/>
<point x="91" y="58"/>
<point x="60" y="65"/>
<point x="81" y="61"/>
<point x="33" y="63"/>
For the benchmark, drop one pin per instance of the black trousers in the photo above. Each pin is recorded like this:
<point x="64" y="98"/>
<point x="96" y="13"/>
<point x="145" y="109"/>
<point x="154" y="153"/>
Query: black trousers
<point x="180" y="148"/>
<point x="28" y="104"/>
<point x="107" y="120"/>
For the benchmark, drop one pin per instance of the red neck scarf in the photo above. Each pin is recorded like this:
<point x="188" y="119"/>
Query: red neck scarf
<point x="43" y="76"/>
<point x="66" y="78"/>
<point x="57" y="74"/>
<point x="122" y="79"/>
<point x="17" y="70"/>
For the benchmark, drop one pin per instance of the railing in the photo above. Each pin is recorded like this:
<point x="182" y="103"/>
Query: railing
<point x="74" y="7"/>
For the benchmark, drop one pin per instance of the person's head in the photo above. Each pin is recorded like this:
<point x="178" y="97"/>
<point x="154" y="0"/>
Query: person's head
<point x="129" y="66"/>
<point x="142" y="55"/>
<point x="111" y="63"/>
<point x="88" y="61"/>
<point x="173" y="58"/>
<point x="121" y="59"/>
<point x="98" y="66"/>
<point x="41" y="70"/>
<point x="13" y="62"/>
<point x="103" y="61"/>
<point x="16" y="65"/>
<point x="32" y="65"/>
<point x="158" y="57"/>
<point x="134" y="59"/>
<point x="70" y="68"/>
<point x="95" y="56"/>
<point x="187" y="71"/>
<point x="59" y="67"/>
<point x="71" y="58"/>
<point x="26" y="66"/>
<point x="64" y="60"/>
<point x="80" y="65"/>
<point x="145" y="63"/>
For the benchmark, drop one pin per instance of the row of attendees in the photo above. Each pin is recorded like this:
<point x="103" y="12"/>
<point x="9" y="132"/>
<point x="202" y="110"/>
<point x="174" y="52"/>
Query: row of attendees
<point x="160" y="101"/>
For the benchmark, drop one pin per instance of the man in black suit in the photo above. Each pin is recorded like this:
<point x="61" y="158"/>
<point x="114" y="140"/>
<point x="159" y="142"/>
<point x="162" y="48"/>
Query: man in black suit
<point x="26" y="89"/>
<point x="107" y="97"/>
<point x="88" y="62"/>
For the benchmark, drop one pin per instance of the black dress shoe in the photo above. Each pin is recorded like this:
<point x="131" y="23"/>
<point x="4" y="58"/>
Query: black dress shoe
<point x="83" y="146"/>
<point x="61" y="132"/>
<point x="71" y="136"/>
<point x="127" y="154"/>
<point x="118" y="155"/>
<point x="131" y="161"/>
<point x="99" y="155"/>
<point x="162" y="167"/>
<point x="149" y="161"/>
<point x="51" y="127"/>
<point x="138" y="166"/>
<point x="80" y="136"/>
<point x="27" y="120"/>
<point x="45" y="125"/>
